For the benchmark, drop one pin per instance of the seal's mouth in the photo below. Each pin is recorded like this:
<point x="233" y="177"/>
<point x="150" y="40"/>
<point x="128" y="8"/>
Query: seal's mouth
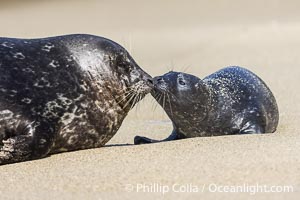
<point x="142" y="84"/>
<point x="160" y="89"/>
<point x="143" y="87"/>
<point x="163" y="97"/>
<point x="135" y="93"/>
<point x="159" y="85"/>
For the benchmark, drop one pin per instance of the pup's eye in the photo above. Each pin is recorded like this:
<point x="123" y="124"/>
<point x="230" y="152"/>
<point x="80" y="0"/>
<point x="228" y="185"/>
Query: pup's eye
<point x="181" y="82"/>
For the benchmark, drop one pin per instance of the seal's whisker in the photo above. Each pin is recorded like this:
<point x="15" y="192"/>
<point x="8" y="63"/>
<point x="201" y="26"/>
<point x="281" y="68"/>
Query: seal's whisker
<point x="140" y="97"/>
<point x="138" y="100"/>
<point x="160" y="97"/>
<point x="124" y="93"/>
<point x="172" y="66"/>
<point x="170" y="104"/>
<point x="154" y="101"/>
<point x="130" y="99"/>
<point x="125" y="97"/>
<point x="158" y="100"/>
<point x="155" y="97"/>
<point x="129" y="90"/>
<point x="185" y="69"/>
<point x="133" y="101"/>
<point x="164" y="100"/>
<point x="174" y="96"/>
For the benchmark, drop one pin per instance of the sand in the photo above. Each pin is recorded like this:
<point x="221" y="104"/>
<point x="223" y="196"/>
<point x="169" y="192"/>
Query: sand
<point x="198" y="37"/>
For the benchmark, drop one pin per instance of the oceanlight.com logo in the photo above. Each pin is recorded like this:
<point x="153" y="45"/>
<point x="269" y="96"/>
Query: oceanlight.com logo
<point x="251" y="189"/>
<point x="213" y="188"/>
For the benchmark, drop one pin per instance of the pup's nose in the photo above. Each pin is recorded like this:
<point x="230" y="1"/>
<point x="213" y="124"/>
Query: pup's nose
<point x="158" y="80"/>
<point x="149" y="81"/>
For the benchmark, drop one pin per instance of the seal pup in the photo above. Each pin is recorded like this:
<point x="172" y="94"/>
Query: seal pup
<point x="64" y="93"/>
<point x="230" y="101"/>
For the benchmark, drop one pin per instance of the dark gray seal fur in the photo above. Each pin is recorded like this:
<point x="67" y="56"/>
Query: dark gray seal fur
<point x="230" y="101"/>
<point x="64" y="93"/>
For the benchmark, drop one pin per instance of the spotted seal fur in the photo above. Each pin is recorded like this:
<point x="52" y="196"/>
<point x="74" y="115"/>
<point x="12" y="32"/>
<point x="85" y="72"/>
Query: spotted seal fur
<point x="64" y="93"/>
<point x="230" y="101"/>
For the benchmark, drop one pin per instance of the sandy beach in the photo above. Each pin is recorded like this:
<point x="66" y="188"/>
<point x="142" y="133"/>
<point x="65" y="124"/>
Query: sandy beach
<point x="198" y="37"/>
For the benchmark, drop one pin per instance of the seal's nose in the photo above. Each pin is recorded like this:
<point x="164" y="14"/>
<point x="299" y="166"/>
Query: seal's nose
<point x="150" y="81"/>
<point x="158" y="80"/>
<point x="147" y="79"/>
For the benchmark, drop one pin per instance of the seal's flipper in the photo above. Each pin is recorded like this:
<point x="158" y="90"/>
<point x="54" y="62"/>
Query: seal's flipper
<point x="16" y="143"/>
<point x="16" y="149"/>
<point x="145" y="140"/>
<point x="251" y="128"/>
<point x="25" y="142"/>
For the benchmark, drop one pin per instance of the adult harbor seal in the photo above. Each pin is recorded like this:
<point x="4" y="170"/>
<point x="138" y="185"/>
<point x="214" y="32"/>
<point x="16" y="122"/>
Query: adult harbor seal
<point x="64" y="93"/>
<point x="230" y="101"/>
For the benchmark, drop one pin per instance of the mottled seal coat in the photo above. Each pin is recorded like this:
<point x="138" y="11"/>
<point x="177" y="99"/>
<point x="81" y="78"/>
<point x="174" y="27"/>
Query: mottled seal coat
<point x="64" y="93"/>
<point x="230" y="101"/>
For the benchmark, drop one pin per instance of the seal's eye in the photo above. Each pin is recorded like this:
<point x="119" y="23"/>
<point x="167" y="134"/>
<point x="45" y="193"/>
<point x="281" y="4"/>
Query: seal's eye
<point x="181" y="81"/>
<point x="125" y="67"/>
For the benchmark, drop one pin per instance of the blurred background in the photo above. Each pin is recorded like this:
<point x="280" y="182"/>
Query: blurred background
<point x="196" y="36"/>
<point x="167" y="34"/>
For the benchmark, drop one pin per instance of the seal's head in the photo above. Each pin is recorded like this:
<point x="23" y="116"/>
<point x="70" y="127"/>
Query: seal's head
<point x="116" y="63"/>
<point x="135" y="82"/>
<point x="183" y="96"/>
<point x="112" y="68"/>
<point x="133" y="76"/>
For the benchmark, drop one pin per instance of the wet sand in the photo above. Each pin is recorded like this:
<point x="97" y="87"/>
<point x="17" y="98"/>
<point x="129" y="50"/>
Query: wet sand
<point x="198" y="37"/>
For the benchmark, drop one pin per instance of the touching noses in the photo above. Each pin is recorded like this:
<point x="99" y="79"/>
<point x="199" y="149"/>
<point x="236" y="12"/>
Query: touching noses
<point x="149" y="80"/>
